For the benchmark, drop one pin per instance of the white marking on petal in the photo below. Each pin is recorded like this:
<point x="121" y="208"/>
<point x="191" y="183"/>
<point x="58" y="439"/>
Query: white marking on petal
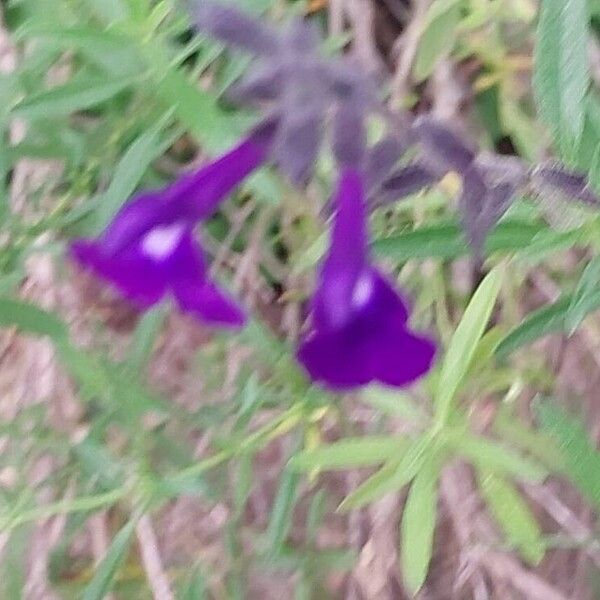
<point x="160" y="242"/>
<point x="363" y="289"/>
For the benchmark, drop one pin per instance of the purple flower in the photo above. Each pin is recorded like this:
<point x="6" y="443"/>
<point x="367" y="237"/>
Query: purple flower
<point x="360" y="322"/>
<point x="148" y="251"/>
<point x="165" y="261"/>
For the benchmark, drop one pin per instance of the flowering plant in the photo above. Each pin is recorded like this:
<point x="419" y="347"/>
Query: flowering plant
<point x="283" y="261"/>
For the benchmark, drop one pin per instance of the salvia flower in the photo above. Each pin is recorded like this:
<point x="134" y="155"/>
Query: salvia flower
<point x="148" y="251"/>
<point x="360" y="331"/>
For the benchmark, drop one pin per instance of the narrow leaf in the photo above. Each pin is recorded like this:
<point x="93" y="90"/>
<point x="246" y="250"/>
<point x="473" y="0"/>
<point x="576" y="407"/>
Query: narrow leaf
<point x="514" y="516"/>
<point x="496" y="457"/>
<point x="561" y="76"/>
<point x="105" y="574"/>
<point x="582" y="460"/>
<point x="391" y="477"/>
<point x="77" y="94"/>
<point x="418" y="525"/>
<point x="28" y="318"/>
<point x="465" y="339"/>
<point x="129" y="172"/>
<point x="446" y="241"/>
<point x="283" y="507"/>
<point x="438" y="36"/>
<point x="351" y="453"/>
<point x="586" y="288"/>
<point x="546" y="320"/>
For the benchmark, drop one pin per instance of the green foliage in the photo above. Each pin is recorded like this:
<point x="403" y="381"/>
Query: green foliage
<point x="437" y="37"/>
<point x="581" y="459"/>
<point x="464" y="342"/>
<point x="104" y="576"/>
<point x="513" y="516"/>
<point x="418" y="525"/>
<point x="561" y="77"/>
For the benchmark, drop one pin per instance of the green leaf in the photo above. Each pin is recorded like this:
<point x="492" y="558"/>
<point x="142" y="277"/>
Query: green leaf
<point x="561" y="76"/>
<point x="144" y="337"/>
<point x="464" y="341"/>
<point x="586" y="288"/>
<point x="87" y="371"/>
<point x="496" y="457"/>
<point x="582" y="460"/>
<point x="128" y="173"/>
<point x="395" y="403"/>
<point x="110" y="11"/>
<point x="105" y="574"/>
<point x="195" y="588"/>
<point x="28" y="318"/>
<point x="77" y="94"/>
<point x="418" y="525"/>
<point x="13" y="569"/>
<point x="351" y="453"/>
<point x="537" y="324"/>
<point x="112" y="52"/>
<point x="282" y="510"/>
<point x="546" y="320"/>
<point x="391" y="477"/>
<point x="446" y="241"/>
<point x="198" y="111"/>
<point x="438" y="36"/>
<point x="513" y="515"/>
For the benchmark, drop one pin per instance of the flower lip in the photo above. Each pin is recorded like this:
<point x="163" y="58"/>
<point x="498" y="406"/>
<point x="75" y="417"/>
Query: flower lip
<point x="166" y="262"/>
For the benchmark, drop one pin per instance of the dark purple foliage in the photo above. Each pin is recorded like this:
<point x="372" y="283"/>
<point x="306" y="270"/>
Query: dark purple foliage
<point x="442" y="147"/>
<point x="236" y="28"/>
<point x="404" y="182"/>
<point x="554" y="178"/>
<point x="381" y="159"/>
<point x="299" y="85"/>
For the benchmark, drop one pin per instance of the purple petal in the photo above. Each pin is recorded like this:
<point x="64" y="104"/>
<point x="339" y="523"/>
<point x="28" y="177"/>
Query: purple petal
<point x="352" y="357"/>
<point x="186" y="260"/>
<point x="401" y="356"/>
<point x="373" y="301"/>
<point x="138" y="217"/>
<point x="131" y="272"/>
<point x="194" y="293"/>
<point x="336" y="360"/>
<point x="200" y="192"/>
<point x="209" y="303"/>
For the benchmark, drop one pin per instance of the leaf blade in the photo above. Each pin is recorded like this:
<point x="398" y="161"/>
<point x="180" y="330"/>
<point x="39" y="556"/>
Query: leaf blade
<point x="464" y="341"/>
<point x="418" y="525"/>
